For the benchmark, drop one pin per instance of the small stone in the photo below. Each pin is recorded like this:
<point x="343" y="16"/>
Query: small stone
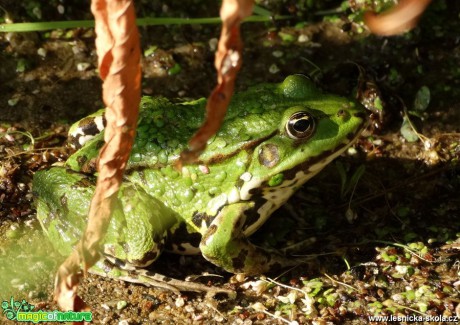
<point x="32" y="294"/>
<point x="42" y="52"/>
<point x="273" y="69"/>
<point x="213" y="44"/>
<point x="121" y="304"/>
<point x="303" y="38"/>
<point x="82" y="66"/>
<point x="277" y="54"/>
<point x="13" y="101"/>
<point x="180" y="302"/>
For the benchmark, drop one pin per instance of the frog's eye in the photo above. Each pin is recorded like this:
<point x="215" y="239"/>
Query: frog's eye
<point x="301" y="125"/>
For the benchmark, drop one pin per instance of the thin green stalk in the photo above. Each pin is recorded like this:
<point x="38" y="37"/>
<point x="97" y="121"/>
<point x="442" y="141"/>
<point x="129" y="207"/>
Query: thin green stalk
<point x="42" y="26"/>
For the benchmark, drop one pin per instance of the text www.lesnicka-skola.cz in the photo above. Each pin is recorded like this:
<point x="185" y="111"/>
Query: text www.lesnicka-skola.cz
<point x="415" y="318"/>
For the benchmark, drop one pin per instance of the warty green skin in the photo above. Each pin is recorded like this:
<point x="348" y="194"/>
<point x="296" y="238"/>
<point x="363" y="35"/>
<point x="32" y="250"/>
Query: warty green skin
<point x="249" y="169"/>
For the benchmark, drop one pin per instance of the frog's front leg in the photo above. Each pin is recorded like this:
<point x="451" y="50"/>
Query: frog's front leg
<point x="224" y="244"/>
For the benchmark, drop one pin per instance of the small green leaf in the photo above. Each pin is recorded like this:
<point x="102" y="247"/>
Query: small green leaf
<point x="258" y="10"/>
<point x="174" y="70"/>
<point x="22" y="65"/>
<point x="407" y="131"/>
<point x="422" y="99"/>
<point x="150" y="50"/>
<point x="286" y="37"/>
<point x="356" y="177"/>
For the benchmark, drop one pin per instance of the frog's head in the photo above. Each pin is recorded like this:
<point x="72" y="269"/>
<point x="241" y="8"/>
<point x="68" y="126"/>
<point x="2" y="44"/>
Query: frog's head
<point x="312" y="130"/>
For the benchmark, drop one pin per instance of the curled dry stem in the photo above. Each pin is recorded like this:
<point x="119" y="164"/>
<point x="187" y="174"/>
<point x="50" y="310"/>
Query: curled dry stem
<point x="118" y="51"/>
<point x="228" y="61"/>
<point x="398" y="19"/>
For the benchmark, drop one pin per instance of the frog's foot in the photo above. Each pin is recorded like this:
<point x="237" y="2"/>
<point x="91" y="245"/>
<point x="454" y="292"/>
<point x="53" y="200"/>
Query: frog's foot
<point x="112" y="270"/>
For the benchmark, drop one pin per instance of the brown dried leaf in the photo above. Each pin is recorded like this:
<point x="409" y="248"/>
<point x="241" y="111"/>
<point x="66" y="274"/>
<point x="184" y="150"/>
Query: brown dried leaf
<point x="399" y="19"/>
<point x="227" y="62"/>
<point x="118" y="50"/>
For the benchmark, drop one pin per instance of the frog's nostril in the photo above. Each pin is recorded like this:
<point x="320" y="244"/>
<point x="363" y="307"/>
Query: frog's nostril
<point x="343" y="114"/>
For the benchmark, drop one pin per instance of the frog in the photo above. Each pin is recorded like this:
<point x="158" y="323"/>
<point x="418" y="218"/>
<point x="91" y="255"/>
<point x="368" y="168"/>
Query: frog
<point x="274" y="138"/>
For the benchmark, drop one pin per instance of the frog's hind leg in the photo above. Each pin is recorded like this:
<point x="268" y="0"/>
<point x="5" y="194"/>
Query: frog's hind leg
<point x="136" y="238"/>
<point x="117" y="269"/>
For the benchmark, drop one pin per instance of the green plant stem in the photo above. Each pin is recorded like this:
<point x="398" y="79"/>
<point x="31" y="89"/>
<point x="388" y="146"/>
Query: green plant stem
<point x="42" y="26"/>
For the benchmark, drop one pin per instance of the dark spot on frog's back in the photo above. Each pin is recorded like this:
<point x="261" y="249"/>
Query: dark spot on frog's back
<point x="64" y="202"/>
<point x="198" y="217"/>
<point x="141" y="174"/>
<point x="90" y="166"/>
<point x="81" y="160"/>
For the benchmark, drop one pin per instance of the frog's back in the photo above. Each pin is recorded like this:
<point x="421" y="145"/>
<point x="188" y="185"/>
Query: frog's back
<point x="164" y="127"/>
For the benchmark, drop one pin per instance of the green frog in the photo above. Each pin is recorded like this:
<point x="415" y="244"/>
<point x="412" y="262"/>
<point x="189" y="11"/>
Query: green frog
<point x="275" y="137"/>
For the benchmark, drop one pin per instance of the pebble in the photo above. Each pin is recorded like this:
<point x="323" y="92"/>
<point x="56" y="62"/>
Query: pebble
<point x="13" y="101"/>
<point x="121" y="304"/>
<point x="213" y="44"/>
<point x="42" y="52"/>
<point x="82" y="66"/>
<point x="303" y="38"/>
<point x="180" y="302"/>
<point x="273" y="69"/>
<point x="277" y="54"/>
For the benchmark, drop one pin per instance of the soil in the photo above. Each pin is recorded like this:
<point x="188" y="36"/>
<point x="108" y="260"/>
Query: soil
<point x="385" y="216"/>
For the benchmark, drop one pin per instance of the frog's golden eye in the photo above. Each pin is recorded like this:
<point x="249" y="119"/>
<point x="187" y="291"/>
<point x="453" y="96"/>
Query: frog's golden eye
<point x="301" y="125"/>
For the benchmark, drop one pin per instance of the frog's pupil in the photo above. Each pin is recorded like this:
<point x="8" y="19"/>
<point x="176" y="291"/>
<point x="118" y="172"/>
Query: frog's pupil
<point x="300" y="126"/>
